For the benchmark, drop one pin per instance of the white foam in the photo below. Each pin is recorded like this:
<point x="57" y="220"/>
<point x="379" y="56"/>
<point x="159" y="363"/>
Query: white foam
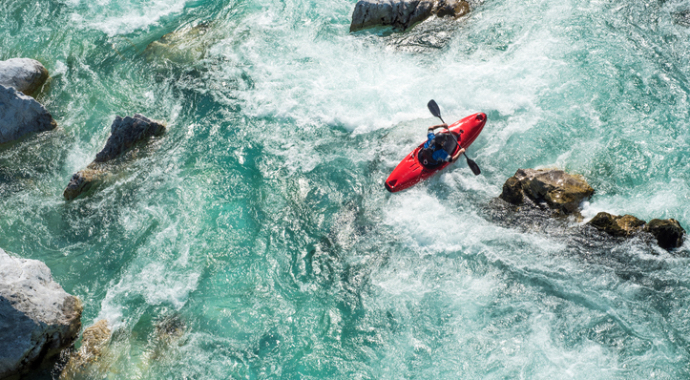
<point x="122" y="17"/>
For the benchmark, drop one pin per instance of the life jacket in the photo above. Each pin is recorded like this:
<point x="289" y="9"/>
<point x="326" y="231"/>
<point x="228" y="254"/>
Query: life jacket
<point x="442" y="141"/>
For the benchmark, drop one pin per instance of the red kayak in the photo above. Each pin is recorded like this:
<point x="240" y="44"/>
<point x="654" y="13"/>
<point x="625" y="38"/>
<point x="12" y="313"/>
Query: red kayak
<point x="410" y="171"/>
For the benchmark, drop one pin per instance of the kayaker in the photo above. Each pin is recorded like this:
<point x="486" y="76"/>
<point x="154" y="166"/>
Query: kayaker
<point x="435" y="150"/>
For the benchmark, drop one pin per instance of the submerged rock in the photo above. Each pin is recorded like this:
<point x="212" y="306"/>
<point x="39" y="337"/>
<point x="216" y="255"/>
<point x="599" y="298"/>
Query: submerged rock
<point x="615" y="225"/>
<point x="94" y="339"/>
<point x="38" y="318"/>
<point x="402" y="14"/>
<point x="558" y="189"/>
<point x="24" y="74"/>
<point x="668" y="233"/>
<point x="21" y="114"/>
<point x="181" y="46"/>
<point x="125" y="134"/>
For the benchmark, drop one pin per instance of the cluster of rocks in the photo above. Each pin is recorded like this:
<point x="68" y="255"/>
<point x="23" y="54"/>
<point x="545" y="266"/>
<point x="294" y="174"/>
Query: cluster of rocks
<point x="20" y="114"/>
<point x="564" y="193"/>
<point x="38" y="319"/>
<point x="403" y="14"/>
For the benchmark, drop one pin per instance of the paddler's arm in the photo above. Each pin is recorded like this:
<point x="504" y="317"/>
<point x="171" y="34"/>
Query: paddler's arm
<point x="444" y="125"/>
<point x="456" y="155"/>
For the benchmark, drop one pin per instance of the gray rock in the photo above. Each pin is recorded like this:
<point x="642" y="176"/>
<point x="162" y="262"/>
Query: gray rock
<point x="668" y="233"/>
<point x="615" y="225"/>
<point x="39" y="319"/>
<point x="401" y="14"/>
<point x="24" y="74"/>
<point x="125" y="134"/>
<point x="21" y="114"/>
<point x="558" y="189"/>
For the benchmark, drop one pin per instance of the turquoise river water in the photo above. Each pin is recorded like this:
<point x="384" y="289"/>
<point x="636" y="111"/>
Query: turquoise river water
<point x="258" y="228"/>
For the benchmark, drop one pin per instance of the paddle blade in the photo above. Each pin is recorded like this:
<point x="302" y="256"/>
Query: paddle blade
<point x="433" y="108"/>
<point x="473" y="165"/>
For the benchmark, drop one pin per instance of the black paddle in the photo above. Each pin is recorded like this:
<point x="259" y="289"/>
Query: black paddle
<point x="433" y="108"/>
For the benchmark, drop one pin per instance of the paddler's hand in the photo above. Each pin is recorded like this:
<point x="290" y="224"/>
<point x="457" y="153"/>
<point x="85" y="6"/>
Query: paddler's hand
<point x="455" y="157"/>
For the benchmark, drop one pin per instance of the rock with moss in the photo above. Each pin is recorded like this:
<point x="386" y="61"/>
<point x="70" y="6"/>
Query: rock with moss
<point x="559" y="190"/>
<point x="125" y="134"/>
<point x="23" y="74"/>
<point x="668" y="232"/>
<point x="21" y="114"/>
<point x="38" y="319"/>
<point x="615" y="225"/>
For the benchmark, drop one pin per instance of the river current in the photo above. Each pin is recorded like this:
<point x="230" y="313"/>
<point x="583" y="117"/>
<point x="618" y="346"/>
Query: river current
<point x="257" y="230"/>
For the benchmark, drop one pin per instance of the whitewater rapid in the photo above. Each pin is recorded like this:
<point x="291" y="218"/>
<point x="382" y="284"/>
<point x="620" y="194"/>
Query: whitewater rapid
<point x="260" y="219"/>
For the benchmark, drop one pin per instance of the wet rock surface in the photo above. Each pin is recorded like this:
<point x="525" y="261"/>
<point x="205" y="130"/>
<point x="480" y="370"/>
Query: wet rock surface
<point x="23" y="74"/>
<point x="537" y="191"/>
<point x="21" y="114"/>
<point x="403" y="14"/>
<point x="125" y="134"/>
<point x="83" y="181"/>
<point x="668" y="233"/>
<point x="616" y="225"/>
<point x="559" y="190"/>
<point x="452" y="8"/>
<point x="39" y="319"/>
<point x="94" y="340"/>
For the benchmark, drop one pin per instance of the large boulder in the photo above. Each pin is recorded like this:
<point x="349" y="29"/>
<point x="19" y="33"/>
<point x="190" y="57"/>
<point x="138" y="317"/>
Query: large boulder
<point x="402" y="14"/>
<point x="668" y="232"/>
<point x="21" y="114"/>
<point x="125" y="133"/>
<point x="615" y="225"/>
<point x="23" y="74"/>
<point x="38" y="319"/>
<point x="558" y="189"/>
